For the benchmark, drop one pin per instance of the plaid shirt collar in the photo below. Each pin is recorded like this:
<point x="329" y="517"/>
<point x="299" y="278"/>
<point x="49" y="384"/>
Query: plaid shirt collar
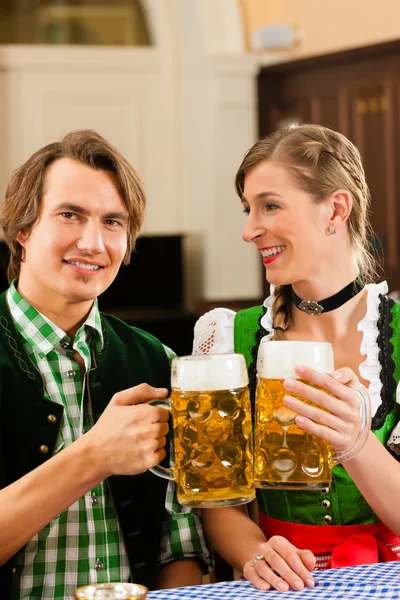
<point x="45" y="335"/>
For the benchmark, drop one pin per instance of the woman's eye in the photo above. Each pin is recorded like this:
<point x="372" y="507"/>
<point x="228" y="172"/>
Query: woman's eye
<point x="270" y="207"/>
<point x="246" y="210"/>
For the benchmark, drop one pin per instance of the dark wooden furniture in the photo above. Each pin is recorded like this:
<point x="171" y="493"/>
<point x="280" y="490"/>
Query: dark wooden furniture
<point x="356" y="92"/>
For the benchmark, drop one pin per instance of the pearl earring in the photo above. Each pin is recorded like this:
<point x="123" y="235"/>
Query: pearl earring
<point x="331" y="230"/>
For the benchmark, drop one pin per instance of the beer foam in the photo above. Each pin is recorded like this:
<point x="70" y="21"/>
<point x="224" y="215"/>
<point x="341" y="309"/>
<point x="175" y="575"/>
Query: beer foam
<point x="277" y="360"/>
<point x="206" y="372"/>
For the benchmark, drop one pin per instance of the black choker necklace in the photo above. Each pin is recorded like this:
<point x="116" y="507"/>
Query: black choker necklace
<point x="316" y="308"/>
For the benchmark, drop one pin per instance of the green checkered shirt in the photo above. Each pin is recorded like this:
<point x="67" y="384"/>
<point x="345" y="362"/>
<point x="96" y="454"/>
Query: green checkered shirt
<point x="84" y="543"/>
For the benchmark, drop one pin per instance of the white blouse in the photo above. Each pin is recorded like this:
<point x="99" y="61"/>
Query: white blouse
<point x="213" y="334"/>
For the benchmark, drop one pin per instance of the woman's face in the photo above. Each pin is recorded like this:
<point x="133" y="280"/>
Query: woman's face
<point x="288" y="227"/>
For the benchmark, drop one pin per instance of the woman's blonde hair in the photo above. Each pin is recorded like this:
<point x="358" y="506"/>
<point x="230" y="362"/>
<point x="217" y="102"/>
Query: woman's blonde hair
<point x="320" y="162"/>
<point x="22" y="205"/>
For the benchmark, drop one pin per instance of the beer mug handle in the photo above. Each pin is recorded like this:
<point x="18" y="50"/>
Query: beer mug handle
<point x="365" y="426"/>
<point x="164" y="472"/>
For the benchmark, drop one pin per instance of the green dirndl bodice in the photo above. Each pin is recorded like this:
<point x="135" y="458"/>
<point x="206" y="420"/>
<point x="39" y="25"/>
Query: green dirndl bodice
<point x="342" y="503"/>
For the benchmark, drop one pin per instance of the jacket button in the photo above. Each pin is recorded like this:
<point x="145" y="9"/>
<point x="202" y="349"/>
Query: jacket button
<point x="328" y="519"/>
<point x="325" y="503"/>
<point x="52" y="418"/>
<point x="14" y="570"/>
<point x="44" y="449"/>
<point x="99" y="565"/>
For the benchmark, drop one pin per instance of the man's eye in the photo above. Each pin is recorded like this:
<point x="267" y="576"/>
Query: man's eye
<point x="112" y="222"/>
<point x="68" y="215"/>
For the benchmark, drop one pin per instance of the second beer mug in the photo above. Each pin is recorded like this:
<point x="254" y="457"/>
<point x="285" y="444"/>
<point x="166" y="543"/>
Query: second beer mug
<point x="212" y="433"/>
<point x="286" y="457"/>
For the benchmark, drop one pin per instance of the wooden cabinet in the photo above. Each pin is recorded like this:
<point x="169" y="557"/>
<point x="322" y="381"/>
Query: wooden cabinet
<point x="356" y="92"/>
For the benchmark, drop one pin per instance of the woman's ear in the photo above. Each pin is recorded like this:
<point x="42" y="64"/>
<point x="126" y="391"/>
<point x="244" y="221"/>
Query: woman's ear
<point x="22" y="237"/>
<point x="341" y="204"/>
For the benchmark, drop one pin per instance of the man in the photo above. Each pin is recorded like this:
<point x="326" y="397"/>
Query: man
<point x="74" y="385"/>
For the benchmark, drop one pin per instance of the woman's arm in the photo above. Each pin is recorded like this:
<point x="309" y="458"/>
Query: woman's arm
<point x="238" y="540"/>
<point x="377" y="476"/>
<point x="375" y="472"/>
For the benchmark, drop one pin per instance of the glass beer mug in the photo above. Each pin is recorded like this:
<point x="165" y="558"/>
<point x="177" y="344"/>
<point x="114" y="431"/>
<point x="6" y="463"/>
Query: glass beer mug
<point x="286" y="457"/>
<point x="111" y="591"/>
<point x="212" y="431"/>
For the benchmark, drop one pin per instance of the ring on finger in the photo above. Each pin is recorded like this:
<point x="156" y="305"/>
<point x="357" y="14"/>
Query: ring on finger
<point x="257" y="558"/>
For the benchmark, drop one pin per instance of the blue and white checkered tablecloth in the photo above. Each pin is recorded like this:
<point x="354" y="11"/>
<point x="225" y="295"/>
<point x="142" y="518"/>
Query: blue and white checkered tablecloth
<point x="365" y="582"/>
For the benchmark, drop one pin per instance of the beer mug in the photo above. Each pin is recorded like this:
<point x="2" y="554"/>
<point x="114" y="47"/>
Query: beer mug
<point x="212" y="431"/>
<point x="286" y="457"/>
<point x="111" y="591"/>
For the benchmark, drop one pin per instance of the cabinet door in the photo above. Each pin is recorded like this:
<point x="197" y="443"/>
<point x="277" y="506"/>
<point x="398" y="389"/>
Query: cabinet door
<point x="361" y="99"/>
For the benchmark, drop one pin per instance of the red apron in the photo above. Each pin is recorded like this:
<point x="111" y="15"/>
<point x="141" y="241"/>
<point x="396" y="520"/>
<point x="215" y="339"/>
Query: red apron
<point x="348" y="545"/>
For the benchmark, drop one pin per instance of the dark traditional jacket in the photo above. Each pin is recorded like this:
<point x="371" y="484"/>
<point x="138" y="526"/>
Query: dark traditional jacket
<point x="29" y="425"/>
<point x="342" y="503"/>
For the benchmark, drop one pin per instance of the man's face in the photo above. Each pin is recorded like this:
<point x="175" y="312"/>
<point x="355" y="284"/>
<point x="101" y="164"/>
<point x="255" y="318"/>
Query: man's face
<point x="76" y="247"/>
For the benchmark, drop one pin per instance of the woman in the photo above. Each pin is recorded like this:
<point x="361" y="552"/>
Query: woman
<point x="304" y="192"/>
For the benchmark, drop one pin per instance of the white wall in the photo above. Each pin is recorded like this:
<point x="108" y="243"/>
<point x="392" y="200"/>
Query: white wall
<point x="327" y="26"/>
<point x="182" y="111"/>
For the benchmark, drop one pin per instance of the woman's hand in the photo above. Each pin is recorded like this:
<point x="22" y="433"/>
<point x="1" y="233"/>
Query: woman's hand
<point x="338" y="419"/>
<point x="283" y="566"/>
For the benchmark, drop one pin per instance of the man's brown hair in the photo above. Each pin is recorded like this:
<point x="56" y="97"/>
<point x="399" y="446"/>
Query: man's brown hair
<point x="22" y="205"/>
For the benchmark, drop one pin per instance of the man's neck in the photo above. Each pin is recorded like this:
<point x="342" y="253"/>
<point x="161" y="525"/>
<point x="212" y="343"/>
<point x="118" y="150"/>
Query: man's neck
<point x="68" y="316"/>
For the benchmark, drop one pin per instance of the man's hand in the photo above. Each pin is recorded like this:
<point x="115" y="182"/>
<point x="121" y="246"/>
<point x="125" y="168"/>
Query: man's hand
<point x="130" y="435"/>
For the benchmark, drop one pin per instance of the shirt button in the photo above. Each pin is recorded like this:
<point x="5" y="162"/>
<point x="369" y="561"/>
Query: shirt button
<point x="52" y="418"/>
<point x="325" y="503"/>
<point x="328" y="519"/>
<point x="325" y="491"/>
<point x="44" y="449"/>
<point x="99" y="565"/>
<point x="95" y="499"/>
<point x="70" y="374"/>
<point x="65" y="345"/>
<point x="14" y="570"/>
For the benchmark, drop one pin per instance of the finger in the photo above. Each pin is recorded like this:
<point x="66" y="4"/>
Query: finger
<point x="326" y="382"/>
<point x="157" y="457"/>
<point x="328" y="397"/>
<point x="138" y="394"/>
<point x="345" y="375"/>
<point x="279" y="580"/>
<point x="290" y="569"/>
<point x="163" y="429"/>
<point x="330" y="435"/>
<point x="251" y="575"/>
<point x="161" y="441"/>
<point x="148" y="413"/>
<point x="342" y="422"/>
<point x="309" y="561"/>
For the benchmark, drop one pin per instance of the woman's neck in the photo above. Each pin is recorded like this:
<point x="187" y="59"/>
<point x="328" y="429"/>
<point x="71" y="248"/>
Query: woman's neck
<point x="331" y="326"/>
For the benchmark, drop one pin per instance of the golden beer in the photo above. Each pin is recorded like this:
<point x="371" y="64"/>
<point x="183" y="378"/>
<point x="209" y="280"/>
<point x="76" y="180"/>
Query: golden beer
<point x="286" y="457"/>
<point x="213" y="447"/>
<point x="212" y="431"/>
<point x="111" y="591"/>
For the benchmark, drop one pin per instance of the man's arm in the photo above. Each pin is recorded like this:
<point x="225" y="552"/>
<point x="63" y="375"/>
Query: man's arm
<point x="184" y="551"/>
<point x="127" y="439"/>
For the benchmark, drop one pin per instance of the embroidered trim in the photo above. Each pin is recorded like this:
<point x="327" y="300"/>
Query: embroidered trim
<point x="261" y="332"/>
<point x="386" y="362"/>
<point x="13" y="345"/>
